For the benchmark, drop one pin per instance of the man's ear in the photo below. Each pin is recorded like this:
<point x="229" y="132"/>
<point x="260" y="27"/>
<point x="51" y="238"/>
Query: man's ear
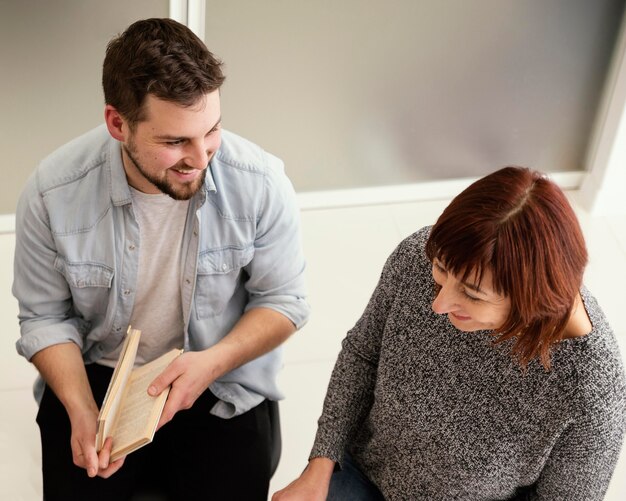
<point x="118" y="127"/>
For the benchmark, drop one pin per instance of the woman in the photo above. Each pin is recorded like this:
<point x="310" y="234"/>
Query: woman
<point x="481" y="368"/>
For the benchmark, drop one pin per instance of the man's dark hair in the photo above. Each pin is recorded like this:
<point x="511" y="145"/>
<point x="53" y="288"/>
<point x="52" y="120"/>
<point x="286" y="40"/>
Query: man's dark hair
<point x="160" y="57"/>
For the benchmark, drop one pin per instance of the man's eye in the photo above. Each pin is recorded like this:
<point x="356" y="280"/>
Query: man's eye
<point x="177" y="142"/>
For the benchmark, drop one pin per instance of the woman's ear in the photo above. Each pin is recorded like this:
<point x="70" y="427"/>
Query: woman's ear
<point x="118" y="127"/>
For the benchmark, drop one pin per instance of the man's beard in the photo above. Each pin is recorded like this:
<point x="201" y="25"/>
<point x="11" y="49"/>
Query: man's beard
<point x="184" y="191"/>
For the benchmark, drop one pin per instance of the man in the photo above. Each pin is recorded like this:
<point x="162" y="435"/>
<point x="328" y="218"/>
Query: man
<point x="163" y="221"/>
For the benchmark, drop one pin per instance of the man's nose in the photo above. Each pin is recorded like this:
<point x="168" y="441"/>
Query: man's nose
<point x="197" y="157"/>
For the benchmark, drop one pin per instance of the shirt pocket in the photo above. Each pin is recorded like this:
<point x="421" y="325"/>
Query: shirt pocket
<point x="90" y="285"/>
<point x="218" y="277"/>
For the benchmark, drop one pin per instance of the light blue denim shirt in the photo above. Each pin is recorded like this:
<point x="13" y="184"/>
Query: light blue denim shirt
<point x="77" y="252"/>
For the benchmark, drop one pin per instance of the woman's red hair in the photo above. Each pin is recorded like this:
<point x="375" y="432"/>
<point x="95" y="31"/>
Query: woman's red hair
<point x="518" y="224"/>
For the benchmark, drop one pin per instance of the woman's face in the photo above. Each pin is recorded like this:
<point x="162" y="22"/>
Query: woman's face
<point x="468" y="306"/>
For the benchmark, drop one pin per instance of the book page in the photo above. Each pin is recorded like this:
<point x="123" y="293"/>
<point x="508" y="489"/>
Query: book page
<point x="139" y="414"/>
<point x="115" y="390"/>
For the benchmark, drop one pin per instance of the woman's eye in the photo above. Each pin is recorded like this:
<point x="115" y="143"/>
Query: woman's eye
<point x="439" y="268"/>
<point x="474" y="299"/>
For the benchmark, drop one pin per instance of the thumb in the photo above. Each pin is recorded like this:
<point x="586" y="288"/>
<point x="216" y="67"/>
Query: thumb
<point x="91" y="461"/>
<point x="163" y="380"/>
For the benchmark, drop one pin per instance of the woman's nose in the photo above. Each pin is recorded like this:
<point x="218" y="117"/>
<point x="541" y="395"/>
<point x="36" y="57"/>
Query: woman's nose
<point x="444" y="300"/>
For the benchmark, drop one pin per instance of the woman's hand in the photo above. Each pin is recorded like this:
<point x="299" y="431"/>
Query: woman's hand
<point x="312" y="485"/>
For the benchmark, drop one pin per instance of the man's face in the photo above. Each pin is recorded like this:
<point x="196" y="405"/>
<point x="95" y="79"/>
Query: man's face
<point x="170" y="150"/>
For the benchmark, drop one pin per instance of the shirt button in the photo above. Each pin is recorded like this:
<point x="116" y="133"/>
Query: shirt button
<point x="195" y="233"/>
<point x="224" y="267"/>
<point x="131" y="247"/>
<point x="187" y="281"/>
<point x="126" y="292"/>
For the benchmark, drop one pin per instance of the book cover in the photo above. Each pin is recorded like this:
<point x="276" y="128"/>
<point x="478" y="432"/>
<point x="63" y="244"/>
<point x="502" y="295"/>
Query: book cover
<point x="128" y="414"/>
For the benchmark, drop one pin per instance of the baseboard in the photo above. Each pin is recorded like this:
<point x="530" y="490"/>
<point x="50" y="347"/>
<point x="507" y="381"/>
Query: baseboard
<point x="7" y="223"/>
<point x="417" y="192"/>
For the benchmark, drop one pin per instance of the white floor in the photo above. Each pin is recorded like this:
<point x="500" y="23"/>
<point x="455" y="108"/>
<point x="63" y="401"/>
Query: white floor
<point x="345" y="249"/>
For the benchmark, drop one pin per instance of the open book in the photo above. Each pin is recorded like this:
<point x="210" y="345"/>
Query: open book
<point x="128" y="413"/>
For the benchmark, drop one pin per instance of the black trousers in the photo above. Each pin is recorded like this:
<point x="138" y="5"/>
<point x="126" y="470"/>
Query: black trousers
<point x="194" y="456"/>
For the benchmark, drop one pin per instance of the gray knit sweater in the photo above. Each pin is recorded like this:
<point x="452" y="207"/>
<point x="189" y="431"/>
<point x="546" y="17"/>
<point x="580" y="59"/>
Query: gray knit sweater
<point x="433" y="413"/>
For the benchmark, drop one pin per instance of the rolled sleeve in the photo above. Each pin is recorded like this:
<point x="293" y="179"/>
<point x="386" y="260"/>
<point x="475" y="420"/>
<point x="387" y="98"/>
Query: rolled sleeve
<point x="42" y="293"/>
<point x="276" y="273"/>
<point x="43" y="336"/>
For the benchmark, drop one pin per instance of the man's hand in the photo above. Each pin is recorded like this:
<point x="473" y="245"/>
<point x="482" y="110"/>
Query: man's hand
<point x="258" y="331"/>
<point x="61" y="365"/>
<point x="312" y="485"/>
<point x="189" y="375"/>
<point x="83" y="443"/>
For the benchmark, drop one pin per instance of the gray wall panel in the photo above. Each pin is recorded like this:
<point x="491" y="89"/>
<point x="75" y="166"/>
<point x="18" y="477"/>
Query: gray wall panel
<point x="370" y="92"/>
<point x="51" y="55"/>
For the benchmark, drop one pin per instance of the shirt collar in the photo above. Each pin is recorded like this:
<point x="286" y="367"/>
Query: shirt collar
<point x="209" y="182"/>
<point x="120" y="191"/>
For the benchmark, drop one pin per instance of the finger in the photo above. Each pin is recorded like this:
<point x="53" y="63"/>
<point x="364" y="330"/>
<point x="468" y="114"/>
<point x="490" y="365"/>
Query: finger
<point x="91" y="461"/>
<point x="179" y="398"/>
<point x="84" y="455"/>
<point x="171" y="407"/>
<point x="112" y="468"/>
<point x="104" y="455"/>
<point x="163" y="380"/>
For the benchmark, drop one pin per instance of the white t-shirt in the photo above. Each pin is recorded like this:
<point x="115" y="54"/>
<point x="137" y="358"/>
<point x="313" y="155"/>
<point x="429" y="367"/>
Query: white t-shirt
<point x="157" y="311"/>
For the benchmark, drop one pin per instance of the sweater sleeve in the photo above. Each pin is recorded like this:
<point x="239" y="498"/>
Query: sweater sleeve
<point x="582" y="460"/>
<point x="351" y="389"/>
